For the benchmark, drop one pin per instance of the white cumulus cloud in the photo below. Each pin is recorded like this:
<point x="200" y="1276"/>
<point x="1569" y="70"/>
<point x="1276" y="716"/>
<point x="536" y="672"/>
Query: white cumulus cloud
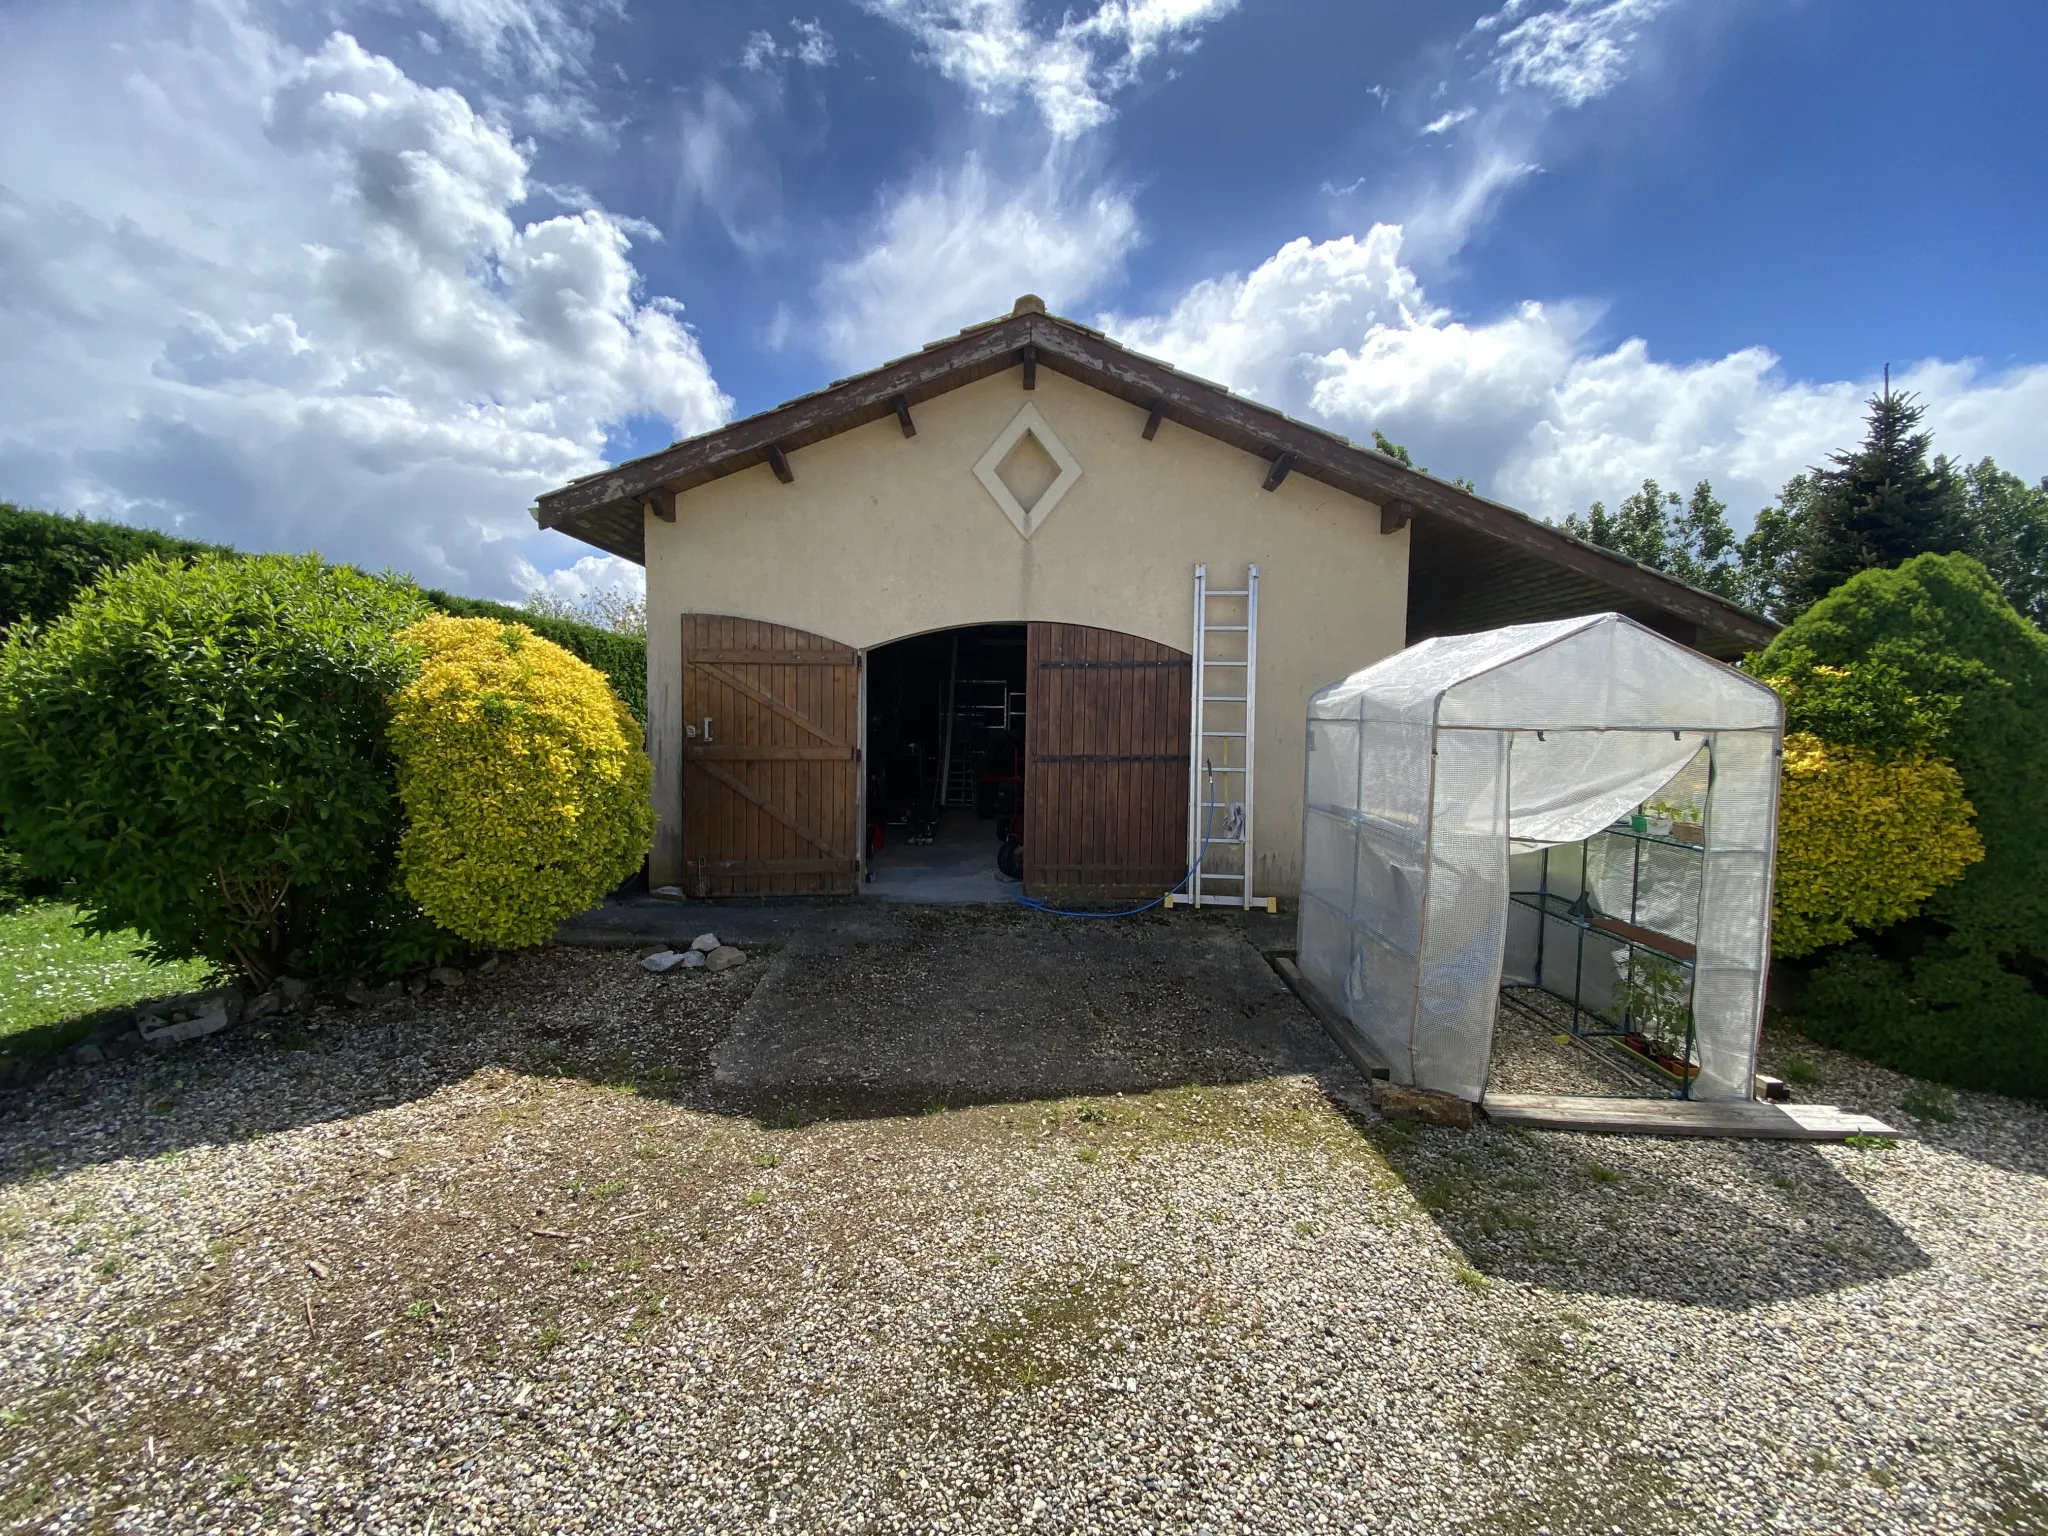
<point x="294" y="300"/>
<point x="1527" y="403"/>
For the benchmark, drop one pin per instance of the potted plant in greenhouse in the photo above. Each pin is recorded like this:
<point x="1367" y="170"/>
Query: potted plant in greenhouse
<point x="1655" y="994"/>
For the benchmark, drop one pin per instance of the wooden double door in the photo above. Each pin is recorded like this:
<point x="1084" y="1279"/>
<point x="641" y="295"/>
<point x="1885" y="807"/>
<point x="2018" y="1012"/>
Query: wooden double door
<point x="772" y="764"/>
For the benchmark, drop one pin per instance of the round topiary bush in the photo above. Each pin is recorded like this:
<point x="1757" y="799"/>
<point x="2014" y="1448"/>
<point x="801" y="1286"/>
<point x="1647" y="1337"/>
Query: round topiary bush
<point x="200" y="751"/>
<point x="1931" y="658"/>
<point x="1863" y="841"/>
<point x="525" y="786"/>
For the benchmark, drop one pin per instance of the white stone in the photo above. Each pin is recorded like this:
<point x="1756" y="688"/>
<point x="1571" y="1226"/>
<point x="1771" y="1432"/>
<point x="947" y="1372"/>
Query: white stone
<point x="675" y="891"/>
<point x="664" y="960"/>
<point x="704" y="943"/>
<point x="693" y="958"/>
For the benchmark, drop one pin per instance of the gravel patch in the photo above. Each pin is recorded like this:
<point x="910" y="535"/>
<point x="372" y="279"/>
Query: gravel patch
<point x="510" y="1259"/>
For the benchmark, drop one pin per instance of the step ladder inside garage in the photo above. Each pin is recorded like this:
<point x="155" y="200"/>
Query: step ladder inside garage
<point x="1221" y="734"/>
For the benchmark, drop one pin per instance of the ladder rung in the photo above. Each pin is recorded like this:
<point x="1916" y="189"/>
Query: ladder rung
<point x="1225" y="698"/>
<point x="1226" y="629"/>
<point x="1224" y="661"/>
<point x="1219" y="592"/>
<point x="1231" y="735"/>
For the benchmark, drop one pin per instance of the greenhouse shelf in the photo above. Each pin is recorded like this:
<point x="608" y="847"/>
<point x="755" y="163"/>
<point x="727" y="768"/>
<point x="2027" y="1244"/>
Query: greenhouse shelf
<point x="1578" y="914"/>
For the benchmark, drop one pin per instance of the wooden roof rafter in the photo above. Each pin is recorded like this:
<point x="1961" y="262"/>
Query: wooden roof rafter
<point x="605" y="508"/>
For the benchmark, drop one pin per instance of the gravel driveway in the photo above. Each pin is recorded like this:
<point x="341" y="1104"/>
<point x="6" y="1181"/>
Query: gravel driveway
<point x="516" y="1258"/>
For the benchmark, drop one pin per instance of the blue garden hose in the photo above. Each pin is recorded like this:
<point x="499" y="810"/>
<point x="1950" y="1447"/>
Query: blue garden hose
<point x="1208" y="826"/>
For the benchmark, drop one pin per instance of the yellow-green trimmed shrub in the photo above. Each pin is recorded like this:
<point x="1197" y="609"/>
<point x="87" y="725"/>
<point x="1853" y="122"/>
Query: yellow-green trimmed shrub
<point x="1862" y="841"/>
<point x="525" y="787"/>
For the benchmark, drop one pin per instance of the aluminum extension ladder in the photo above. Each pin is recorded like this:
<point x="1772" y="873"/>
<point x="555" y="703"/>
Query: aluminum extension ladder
<point x="1223" y="727"/>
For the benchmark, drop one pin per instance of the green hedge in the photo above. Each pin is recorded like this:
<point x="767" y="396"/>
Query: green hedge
<point x="1959" y="992"/>
<point x="47" y="559"/>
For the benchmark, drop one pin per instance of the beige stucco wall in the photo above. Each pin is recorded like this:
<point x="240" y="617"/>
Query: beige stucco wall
<point x="883" y="536"/>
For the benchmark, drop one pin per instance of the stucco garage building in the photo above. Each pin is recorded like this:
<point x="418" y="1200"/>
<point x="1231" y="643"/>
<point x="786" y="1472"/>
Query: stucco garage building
<point x="970" y="575"/>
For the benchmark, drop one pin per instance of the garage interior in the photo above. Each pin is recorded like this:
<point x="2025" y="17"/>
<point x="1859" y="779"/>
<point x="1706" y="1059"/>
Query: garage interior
<point x="946" y="716"/>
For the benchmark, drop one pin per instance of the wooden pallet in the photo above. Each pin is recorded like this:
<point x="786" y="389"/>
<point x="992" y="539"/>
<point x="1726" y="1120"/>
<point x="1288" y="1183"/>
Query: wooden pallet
<point x="1682" y="1117"/>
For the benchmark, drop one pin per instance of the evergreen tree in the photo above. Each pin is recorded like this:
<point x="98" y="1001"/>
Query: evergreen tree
<point x="1877" y="507"/>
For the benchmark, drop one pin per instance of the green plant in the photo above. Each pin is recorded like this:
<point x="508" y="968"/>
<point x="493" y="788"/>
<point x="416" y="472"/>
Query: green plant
<point x="1925" y="1103"/>
<point x="1656" y="996"/>
<point x="200" y="750"/>
<point x="525" y="787"/>
<point x="622" y="658"/>
<point x="1863" y="841"/>
<point x="1801" y="1071"/>
<point x="1867" y="1143"/>
<point x="1958" y="992"/>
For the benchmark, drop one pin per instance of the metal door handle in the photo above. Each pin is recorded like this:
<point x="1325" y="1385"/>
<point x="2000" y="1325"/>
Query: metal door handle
<point x="707" y="727"/>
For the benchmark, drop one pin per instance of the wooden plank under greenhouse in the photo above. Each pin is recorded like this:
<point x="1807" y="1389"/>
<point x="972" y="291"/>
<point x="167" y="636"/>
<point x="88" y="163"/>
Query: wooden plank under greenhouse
<point x="1751" y="1119"/>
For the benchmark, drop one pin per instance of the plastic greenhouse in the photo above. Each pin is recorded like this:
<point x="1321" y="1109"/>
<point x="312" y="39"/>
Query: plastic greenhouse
<point x="1432" y="772"/>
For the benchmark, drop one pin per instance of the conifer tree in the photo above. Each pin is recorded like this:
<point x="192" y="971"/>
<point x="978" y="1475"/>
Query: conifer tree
<point x="1876" y="507"/>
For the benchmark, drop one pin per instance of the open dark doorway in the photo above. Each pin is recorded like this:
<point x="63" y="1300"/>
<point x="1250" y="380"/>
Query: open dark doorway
<point x="945" y="764"/>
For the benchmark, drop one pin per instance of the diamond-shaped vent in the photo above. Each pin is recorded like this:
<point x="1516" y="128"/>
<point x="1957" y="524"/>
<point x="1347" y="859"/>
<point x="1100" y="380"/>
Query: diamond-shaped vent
<point x="1026" y="470"/>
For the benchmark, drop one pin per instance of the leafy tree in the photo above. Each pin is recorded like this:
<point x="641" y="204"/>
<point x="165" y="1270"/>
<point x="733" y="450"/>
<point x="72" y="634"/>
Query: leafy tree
<point x="2008" y="522"/>
<point x="1878" y="506"/>
<point x="200" y="751"/>
<point x="1393" y="450"/>
<point x="613" y="609"/>
<point x="1691" y="539"/>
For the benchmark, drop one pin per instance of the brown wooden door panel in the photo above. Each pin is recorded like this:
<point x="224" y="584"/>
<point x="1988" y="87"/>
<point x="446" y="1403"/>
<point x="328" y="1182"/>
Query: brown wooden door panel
<point x="771" y="762"/>
<point x="1106" y="765"/>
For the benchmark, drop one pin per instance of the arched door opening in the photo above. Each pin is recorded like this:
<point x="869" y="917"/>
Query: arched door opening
<point x="945" y="758"/>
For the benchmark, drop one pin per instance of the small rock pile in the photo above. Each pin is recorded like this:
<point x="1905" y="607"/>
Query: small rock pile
<point x="705" y="953"/>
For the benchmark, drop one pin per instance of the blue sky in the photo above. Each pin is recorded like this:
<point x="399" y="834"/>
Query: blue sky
<point x="367" y="276"/>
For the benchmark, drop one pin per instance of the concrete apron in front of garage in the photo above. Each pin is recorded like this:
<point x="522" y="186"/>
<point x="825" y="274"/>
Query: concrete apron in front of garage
<point x="885" y="1011"/>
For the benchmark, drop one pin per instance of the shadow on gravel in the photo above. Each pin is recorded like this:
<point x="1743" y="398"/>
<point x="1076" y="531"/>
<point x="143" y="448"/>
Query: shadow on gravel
<point x="1708" y="1223"/>
<point x="561" y="1013"/>
<point x="860" y="1013"/>
<point x="897" y="1011"/>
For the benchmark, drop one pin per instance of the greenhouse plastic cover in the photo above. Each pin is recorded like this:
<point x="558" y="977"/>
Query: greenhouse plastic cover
<point x="1426" y="770"/>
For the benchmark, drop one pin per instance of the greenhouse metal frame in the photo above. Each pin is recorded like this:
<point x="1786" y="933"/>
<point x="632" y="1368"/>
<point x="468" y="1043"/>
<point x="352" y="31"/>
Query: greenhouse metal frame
<point x="1428" y="769"/>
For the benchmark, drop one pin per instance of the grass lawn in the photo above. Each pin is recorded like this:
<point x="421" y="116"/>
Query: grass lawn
<point x="54" y="979"/>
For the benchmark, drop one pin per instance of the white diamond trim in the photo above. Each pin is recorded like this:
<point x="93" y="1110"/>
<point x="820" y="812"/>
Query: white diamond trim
<point x="1027" y="420"/>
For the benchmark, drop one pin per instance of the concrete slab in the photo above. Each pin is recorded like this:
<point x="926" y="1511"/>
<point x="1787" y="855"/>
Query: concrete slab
<point x="957" y="866"/>
<point x="887" y="1010"/>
